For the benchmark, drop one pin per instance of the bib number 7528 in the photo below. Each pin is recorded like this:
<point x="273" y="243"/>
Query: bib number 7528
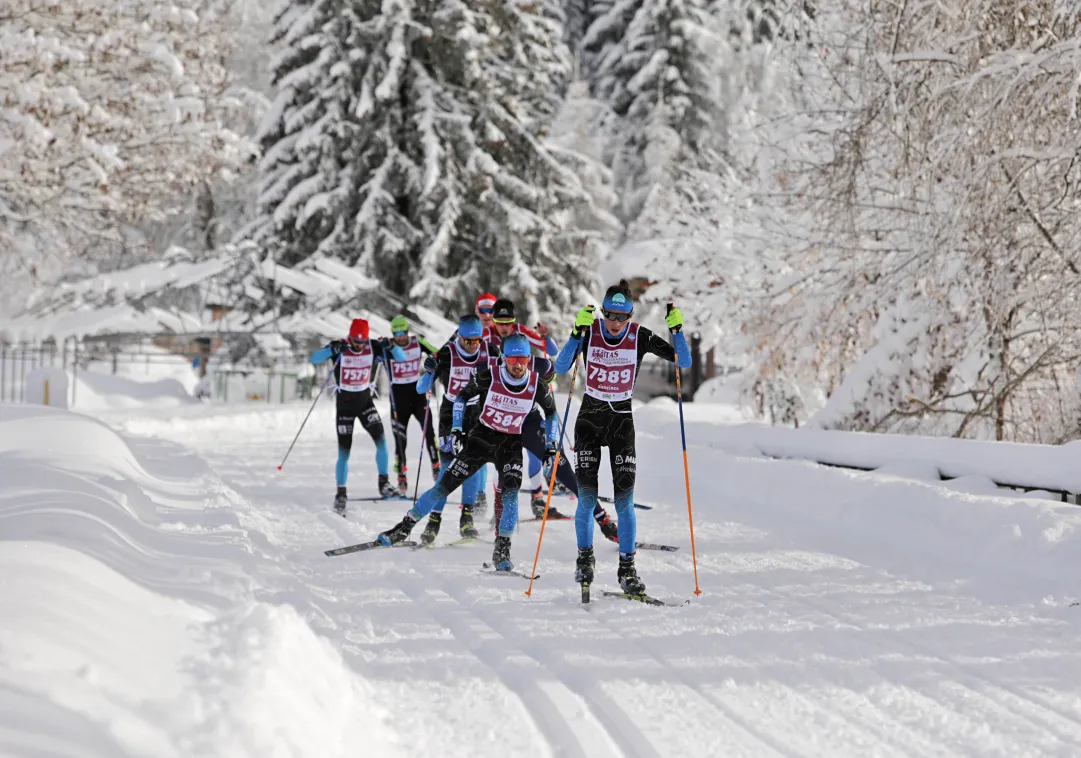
<point x="610" y="376"/>
<point x="508" y="420"/>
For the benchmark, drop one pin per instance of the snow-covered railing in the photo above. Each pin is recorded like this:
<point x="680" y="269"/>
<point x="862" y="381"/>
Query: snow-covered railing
<point x="1028" y="467"/>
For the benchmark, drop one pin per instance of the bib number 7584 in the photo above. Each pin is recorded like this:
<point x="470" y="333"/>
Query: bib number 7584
<point x="500" y="418"/>
<point x="610" y="376"/>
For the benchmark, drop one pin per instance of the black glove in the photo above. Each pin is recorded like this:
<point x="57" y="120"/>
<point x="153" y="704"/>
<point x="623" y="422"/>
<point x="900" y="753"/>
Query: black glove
<point x="550" y="450"/>
<point x="457" y="441"/>
<point x="385" y="344"/>
<point x="337" y="347"/>
<point x="430" y="364"/>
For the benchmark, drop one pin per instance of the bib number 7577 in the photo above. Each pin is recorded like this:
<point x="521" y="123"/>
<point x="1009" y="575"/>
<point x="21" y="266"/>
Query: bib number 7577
<point x="502" y="419"/>
<point x="612" y="376"/>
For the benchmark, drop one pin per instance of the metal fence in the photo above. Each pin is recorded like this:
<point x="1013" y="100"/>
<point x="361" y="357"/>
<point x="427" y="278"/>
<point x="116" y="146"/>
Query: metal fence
<point x="18" y="360"/>
<point x="269" y="384"/>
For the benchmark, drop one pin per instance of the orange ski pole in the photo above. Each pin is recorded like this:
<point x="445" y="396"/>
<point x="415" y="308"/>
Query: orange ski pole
<point x="686" y="473"/>
<point x="552" y="481"/>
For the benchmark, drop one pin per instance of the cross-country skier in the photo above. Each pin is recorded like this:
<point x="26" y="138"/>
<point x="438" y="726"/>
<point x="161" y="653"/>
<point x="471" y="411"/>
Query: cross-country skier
<point x="354" y="360"/>
<point x="454" y="365"/>
<point x="505" y="323"/>
<point x="508" y="395"/>
<point x="538" y="455"/>
<point x="484" y="308"/>
<point x="613" y="349"/>
<point x="404" y="375"/>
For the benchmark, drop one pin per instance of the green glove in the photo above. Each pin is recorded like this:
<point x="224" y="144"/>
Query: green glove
<point x="584" y="320"/>
<point x="674" y="319"/>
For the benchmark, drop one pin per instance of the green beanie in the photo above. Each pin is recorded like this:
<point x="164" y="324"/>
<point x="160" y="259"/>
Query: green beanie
<point x="399" y="324"/>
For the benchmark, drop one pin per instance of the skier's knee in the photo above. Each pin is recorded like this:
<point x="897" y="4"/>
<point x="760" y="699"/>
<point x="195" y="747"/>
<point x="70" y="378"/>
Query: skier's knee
<point x="510" y="478"/>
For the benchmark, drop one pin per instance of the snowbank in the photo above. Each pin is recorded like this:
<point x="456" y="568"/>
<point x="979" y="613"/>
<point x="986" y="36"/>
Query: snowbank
<point x="129" y="623"/>
<point x="98" y="392"/>
<point x="1052" y="467"/>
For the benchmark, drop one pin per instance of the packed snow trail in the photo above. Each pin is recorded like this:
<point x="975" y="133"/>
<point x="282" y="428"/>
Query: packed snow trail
<point x="842" y="614"/>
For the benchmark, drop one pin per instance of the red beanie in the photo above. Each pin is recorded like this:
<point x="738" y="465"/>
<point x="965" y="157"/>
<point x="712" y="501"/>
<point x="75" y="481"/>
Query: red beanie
<point x="487" y="300"/>
<point x="358" y="329"/>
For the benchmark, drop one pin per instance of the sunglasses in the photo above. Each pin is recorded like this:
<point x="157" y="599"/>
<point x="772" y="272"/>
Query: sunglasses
<point x="402" y="334"/>
<point x="613" y="316"/>
<point x="486" y="311"/>
<point x="517" y="360"/>
<point x="504" y="320"/>
<point x="470" y="340"/>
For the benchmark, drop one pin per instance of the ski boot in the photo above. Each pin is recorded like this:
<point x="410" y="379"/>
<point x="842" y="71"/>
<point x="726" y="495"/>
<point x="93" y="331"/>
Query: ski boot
<point x="608" y="527"/>
<point x="399" y="532"/>
<point x="340" y="500"/>
<point x="403" y="478"/>
<point x="436" y="471"/>
<point x="386" y="489"/>
<point x="628" y="575"/>
<point x="465" y="524"/>
<point x="501" y="554"/>
<point x="481" y="505"/>
<point x="431" y="531"/>
<point x="497" y="510"/>
<point x="537" y="502"/>
<point x="583" y="569"/>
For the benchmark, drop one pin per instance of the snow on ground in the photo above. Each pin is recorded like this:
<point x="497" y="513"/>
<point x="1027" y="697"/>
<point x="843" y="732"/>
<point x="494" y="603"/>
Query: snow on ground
<point x="172" y="598"/>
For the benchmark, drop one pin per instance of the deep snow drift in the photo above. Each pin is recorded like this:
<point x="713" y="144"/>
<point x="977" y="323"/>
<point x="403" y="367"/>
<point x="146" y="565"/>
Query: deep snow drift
<point x="165" y="594"/>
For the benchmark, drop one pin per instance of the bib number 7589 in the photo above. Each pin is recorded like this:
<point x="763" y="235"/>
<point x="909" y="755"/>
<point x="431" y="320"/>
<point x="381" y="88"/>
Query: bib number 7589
<point x="612" y="376"/>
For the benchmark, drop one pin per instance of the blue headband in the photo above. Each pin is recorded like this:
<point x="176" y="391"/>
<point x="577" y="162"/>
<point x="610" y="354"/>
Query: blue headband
<point x="618" y="303"/>
<point x="470" y="327"/>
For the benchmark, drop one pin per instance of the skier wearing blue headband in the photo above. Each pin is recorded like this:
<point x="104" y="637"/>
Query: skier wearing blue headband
<point x="612" y="348"/>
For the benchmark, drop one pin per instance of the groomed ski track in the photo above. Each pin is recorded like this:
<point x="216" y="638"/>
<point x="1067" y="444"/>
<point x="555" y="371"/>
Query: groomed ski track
<point x="841" y="614"/>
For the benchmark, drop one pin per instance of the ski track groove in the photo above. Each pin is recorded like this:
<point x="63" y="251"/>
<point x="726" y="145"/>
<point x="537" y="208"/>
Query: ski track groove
<point x="724" y="710"/>
<point x="560" y="727"/>
<point x="962" y="674"/>
<point x="551" y="707"/>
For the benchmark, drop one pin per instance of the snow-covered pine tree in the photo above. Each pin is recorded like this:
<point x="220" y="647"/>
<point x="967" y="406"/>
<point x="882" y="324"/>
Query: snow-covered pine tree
<point x="657" y="78"/>
<point x="508" y="198"/>
<point x="336" y="182"/>
<point x="576" y="19"/>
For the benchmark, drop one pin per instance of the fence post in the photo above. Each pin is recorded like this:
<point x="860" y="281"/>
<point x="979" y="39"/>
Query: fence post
<point x="74" y="367"/>
<point x="46" y="392"/>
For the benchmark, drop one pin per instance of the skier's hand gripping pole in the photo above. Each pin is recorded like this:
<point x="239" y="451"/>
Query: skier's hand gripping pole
<point x="305" y="421"/>
<point x="552" y="481"/>
<point x="686" y="467"/>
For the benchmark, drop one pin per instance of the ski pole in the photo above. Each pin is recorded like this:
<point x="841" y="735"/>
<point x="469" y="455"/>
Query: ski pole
<point x="552" y="480"/>
<point x="396" y="426"/>
<point x="686" y="467"/>
<point x="423" y="440"/>
<point x="305" y="421"/>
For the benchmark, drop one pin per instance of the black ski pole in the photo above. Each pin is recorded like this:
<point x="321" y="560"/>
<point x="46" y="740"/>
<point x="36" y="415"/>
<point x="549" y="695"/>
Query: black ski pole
<point x="305" y="421"/>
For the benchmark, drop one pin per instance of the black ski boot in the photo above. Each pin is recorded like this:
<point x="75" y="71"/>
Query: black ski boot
<point x="340" y="500"/>
<point x="399" y="532"/>
<point x="481" y="505"/>
<point x="431" y="531"/>
<point x="537" y="502"/>
<point x="436" y="471"/>
<point x="386" y="489"/>
<point x="583" y="569"/>
<point x="628" y="575"/>
<point x="403" y="478"/>
<point x="465" y="524"/>
<point x="501" y="554"/>
<point x="608" y="527"/>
